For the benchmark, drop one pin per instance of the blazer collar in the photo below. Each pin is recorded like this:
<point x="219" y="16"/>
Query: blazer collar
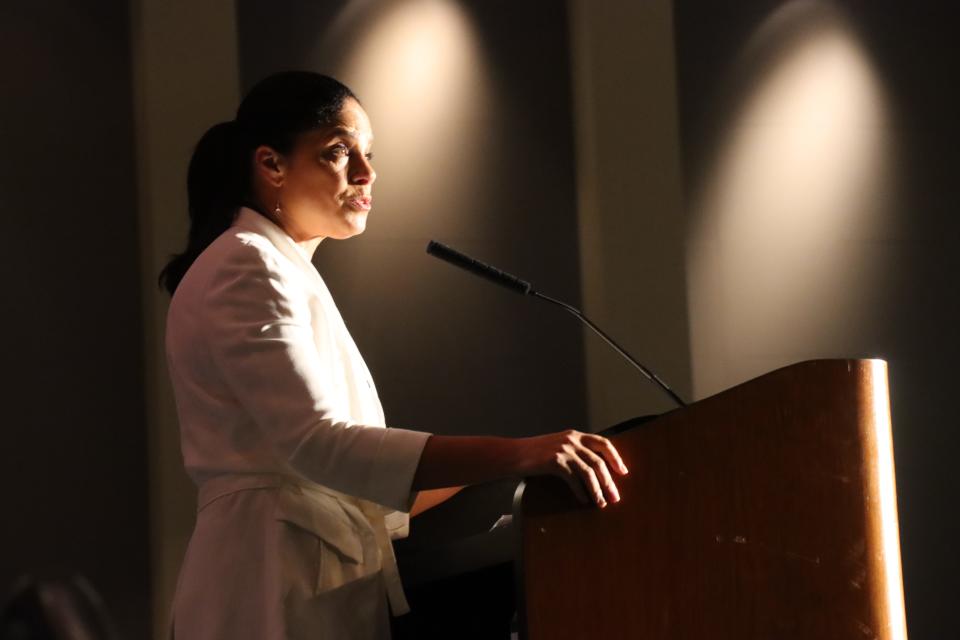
<point x="256" y="222"/>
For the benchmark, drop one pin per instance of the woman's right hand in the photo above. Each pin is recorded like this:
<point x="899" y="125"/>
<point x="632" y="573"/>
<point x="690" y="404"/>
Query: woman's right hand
<point x="583" y="460"/>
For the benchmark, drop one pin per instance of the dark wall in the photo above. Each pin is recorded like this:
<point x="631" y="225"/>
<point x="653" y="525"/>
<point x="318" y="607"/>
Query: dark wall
<point x="913" y="46"/>
<point x="450" y="353"/>
<point x="73" y="458"/>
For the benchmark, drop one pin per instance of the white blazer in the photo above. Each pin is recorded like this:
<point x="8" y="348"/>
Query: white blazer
<point x="301" y="487"/>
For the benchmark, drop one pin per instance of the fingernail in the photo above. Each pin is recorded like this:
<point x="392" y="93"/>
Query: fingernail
<point x="603" y="503"/>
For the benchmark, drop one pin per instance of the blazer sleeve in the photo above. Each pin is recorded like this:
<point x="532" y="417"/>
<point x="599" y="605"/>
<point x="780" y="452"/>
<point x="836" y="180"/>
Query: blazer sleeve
<point x="258" y="328"/>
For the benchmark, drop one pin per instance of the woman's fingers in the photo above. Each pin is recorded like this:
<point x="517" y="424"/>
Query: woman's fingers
<point x="589" y="478"/>
<point x="609" y="452"/>
<point x="585" y="461"/>
<point x="602" y="473"/>
<point x="575" y="484"/>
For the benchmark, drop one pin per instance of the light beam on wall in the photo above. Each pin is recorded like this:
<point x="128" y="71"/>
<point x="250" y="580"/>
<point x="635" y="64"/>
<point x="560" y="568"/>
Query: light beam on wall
<point x="418" y="67"/>
<point x="786" y="249"/>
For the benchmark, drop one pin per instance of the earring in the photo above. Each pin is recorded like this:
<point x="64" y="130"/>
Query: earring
<point x="277" y="210"/>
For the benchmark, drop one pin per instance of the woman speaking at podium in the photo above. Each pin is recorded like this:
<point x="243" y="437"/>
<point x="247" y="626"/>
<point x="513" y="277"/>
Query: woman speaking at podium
<point x="301" y="484"/>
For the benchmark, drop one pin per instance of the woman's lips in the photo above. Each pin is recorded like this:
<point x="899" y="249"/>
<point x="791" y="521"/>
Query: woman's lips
<point x="361" y="203"/>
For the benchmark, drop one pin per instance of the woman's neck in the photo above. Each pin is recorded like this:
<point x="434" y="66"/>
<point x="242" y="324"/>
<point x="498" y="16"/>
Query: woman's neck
<point x="309" y="246"/>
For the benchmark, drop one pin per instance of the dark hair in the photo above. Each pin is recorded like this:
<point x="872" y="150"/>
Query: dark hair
<point x="274" y="113"/>
<point x="55" y="608"/>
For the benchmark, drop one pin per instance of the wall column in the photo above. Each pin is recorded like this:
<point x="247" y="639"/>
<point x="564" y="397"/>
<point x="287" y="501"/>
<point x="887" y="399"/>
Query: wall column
<point x="185" y="79"/>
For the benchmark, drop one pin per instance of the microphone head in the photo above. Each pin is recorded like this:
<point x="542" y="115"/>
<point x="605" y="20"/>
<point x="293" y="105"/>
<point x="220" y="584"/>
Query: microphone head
<point x="474" y="266"/>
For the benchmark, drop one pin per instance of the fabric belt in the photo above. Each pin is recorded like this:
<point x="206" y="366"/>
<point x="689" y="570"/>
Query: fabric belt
<point x="223" y="485"/>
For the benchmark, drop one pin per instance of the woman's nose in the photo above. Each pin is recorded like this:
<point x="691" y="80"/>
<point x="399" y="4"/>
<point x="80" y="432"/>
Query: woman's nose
<point x="361" y="172"/>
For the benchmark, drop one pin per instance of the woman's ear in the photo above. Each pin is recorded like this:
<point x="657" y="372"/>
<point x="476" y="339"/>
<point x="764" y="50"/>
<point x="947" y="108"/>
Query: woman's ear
<point x="269" y="165"/>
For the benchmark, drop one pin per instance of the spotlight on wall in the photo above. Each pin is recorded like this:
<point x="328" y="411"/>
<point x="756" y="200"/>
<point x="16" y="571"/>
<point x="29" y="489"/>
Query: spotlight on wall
<point x="419" y="68"/>
<point x="786" y="248"/>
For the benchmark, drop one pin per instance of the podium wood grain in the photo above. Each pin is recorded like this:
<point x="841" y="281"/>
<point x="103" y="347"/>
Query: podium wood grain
<point x="767" y="511"/>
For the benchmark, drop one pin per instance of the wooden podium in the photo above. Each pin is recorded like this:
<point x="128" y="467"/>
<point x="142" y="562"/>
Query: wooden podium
<point x="765" y="512"/>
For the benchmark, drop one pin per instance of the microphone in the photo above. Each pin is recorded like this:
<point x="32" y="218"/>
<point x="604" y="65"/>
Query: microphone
<point x="454" y="257"/>
<point x="474" y="266"/>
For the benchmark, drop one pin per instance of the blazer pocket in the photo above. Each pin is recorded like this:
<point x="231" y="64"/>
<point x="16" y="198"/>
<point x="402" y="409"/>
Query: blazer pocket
<point x="322" y="516"/>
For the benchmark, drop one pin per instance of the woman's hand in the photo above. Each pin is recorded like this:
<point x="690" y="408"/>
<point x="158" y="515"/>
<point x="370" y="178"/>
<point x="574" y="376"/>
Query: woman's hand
<point x="583" y="460"/>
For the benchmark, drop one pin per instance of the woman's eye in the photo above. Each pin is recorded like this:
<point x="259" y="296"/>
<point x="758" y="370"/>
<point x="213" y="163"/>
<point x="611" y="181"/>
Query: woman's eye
<point x="340" y="151"/>
<point x="336" y="153"/>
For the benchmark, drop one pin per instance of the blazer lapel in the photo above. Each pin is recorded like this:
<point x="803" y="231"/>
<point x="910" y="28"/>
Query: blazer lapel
<point x="252" y="221"/>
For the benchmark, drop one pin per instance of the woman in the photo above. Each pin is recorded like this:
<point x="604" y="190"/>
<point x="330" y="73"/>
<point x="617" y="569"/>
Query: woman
<point x="301" y="486"/>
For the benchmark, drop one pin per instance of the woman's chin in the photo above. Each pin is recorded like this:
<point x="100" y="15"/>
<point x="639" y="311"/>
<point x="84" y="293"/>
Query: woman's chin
<point x="354" y="224"/>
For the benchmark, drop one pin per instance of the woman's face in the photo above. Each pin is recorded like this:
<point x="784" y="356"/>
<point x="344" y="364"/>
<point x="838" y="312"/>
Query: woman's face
<point x="327" y="179"/>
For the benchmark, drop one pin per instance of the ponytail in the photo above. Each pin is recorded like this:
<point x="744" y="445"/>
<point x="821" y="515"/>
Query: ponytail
<point x="217" y="185"/>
